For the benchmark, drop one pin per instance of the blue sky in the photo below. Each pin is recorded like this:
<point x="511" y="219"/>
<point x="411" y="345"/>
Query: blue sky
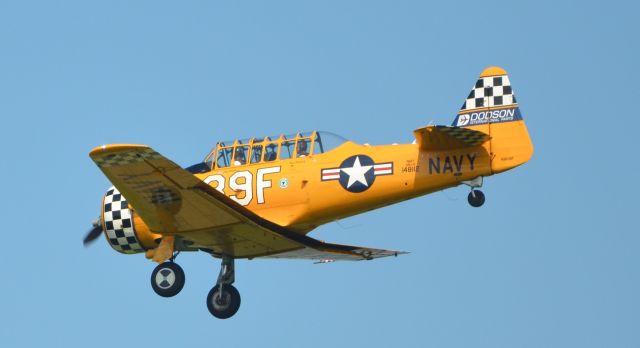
<point x="551" y="260"/>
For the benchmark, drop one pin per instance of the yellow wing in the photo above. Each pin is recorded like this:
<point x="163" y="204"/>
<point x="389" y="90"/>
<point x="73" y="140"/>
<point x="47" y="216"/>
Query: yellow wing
<point x="172" y="201"/>
<point x="448" y="138"/>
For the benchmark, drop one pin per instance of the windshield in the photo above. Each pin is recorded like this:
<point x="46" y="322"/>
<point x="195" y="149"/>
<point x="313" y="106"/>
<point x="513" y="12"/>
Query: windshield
<point x="327" y="141"/>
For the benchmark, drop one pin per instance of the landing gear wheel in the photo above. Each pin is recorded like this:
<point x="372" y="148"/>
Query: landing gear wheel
<point x="223" y="305"/>
<point x="167" y="279"/>
<point x="476" y="198"/>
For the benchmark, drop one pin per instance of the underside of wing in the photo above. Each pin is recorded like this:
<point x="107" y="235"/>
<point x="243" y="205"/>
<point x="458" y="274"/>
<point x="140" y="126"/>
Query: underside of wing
<point x="330" y="253"/>
<point x="437" y="138"/>
<point x="172" y="201"/>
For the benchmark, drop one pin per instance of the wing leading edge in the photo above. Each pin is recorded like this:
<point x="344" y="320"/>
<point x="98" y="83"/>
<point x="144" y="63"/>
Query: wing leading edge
<point x="172" y="201"/>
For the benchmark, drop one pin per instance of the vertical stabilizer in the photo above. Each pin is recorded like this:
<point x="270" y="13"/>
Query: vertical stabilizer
<point x="491" y="107"/>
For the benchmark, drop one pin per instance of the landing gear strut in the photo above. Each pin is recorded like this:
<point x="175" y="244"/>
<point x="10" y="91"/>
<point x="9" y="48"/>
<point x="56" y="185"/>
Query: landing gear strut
<point x="167" y="279"/>
<point x="476" y="197"/>
<point x="223" y="300"/>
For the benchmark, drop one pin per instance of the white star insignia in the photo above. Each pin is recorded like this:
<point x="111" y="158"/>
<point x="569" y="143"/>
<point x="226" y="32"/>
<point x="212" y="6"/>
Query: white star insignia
<point x="356" y="173"/>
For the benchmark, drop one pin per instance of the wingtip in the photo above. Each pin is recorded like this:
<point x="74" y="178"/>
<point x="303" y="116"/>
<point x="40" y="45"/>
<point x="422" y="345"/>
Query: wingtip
<point x="107" y="148"/>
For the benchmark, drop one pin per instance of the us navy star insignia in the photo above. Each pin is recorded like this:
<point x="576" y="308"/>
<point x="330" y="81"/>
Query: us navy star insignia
<point x="357" y="173"/>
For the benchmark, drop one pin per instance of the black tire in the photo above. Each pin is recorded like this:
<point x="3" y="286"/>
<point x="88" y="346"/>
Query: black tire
<point x="167" y="279"/>
<point x="230" y="304"/>
<point x="476" y="198"/>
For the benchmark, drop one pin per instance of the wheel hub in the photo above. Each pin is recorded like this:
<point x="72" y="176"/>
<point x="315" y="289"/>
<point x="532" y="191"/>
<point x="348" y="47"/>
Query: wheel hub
<point x="165" y="278"/>
<point x="221" y="301"/>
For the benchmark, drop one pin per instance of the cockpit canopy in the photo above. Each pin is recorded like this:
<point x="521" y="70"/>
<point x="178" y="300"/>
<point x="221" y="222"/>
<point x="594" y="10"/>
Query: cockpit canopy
<point x="256" y="150"/>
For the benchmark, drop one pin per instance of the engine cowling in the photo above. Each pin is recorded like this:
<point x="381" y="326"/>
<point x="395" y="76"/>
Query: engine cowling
<point x="126" y="232"/>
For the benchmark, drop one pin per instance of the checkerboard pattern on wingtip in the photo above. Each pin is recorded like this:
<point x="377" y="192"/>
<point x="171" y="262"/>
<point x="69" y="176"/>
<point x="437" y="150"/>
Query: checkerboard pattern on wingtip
<point x="163" y="195"/>
<point x="490" y="92"/>
<point x="126" y="157"/>
<point x="118" y="223"/>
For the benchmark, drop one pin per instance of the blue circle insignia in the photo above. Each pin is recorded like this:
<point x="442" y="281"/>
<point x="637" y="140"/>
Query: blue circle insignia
<point x="357" y="173"/>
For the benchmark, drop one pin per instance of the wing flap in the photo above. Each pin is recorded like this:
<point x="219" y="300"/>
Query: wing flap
<point x="435" y="138"/>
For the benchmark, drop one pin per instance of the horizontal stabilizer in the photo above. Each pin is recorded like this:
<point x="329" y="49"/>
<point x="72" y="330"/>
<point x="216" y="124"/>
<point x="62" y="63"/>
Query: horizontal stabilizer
<point x="435" y="138"/>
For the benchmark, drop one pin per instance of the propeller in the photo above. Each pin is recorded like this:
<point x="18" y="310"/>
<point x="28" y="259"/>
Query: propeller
<point x="94" y="233"/>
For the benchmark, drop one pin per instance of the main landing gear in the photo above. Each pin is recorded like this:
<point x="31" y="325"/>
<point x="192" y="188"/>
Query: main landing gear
<point x="476" y="197"/>
<point x="223" y="301"/>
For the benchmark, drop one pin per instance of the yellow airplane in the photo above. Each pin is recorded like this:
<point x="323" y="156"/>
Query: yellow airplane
<point x="260" y="197"/>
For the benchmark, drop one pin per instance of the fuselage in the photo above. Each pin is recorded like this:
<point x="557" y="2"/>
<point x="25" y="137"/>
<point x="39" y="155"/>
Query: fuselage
<point x="305" y="192"/>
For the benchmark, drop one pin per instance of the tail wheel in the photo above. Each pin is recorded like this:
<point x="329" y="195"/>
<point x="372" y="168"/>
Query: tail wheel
<point x="476" y="198"/>
<point x="223" y="304"/>
<point x="167" y="279"/>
